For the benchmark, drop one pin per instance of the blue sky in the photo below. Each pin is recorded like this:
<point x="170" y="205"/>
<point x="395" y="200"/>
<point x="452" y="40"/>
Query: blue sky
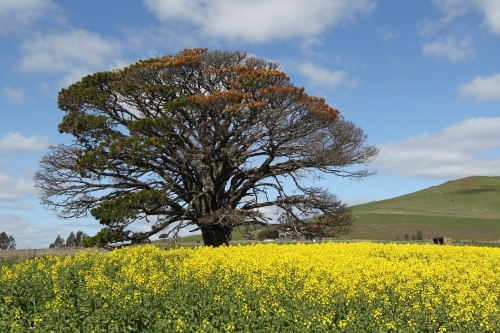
<point x="422" y="78"/>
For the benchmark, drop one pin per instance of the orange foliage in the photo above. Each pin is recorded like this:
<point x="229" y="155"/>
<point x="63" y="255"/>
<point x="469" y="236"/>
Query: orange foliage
<point x="269" y="84"/>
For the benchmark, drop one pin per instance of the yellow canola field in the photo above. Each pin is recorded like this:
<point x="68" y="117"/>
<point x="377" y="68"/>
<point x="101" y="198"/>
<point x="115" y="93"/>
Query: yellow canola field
<point x="330" y="287"/>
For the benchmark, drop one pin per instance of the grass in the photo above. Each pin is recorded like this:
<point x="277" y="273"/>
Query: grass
<point x="394" y="227"/>
<point x="464" y="209"/>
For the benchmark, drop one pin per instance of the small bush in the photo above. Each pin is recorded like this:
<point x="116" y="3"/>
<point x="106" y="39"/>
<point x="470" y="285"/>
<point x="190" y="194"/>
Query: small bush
<point x="419" y="236"/>
<point x="268" y="233"/>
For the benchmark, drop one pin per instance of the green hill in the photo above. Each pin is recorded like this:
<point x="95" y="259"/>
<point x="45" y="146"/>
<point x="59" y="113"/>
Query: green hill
<point x="464" y="209"/>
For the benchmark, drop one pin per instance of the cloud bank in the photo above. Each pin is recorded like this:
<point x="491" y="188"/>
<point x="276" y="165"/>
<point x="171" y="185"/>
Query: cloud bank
<point x="482" y="89"/>
<point x="490" y="9"/>
<point x="457" y="47"/>
<point x="14" y="190"/>
<point x="16" y="15"/>
<point x="471" y="147"/>
<point x="261" y="20"/>
<point x="322" y="77"/>
<point x="450" y="48"/>
<point x="16" y="142"/>
<point x="13" y="95"/>
<point x="74" y="53"/>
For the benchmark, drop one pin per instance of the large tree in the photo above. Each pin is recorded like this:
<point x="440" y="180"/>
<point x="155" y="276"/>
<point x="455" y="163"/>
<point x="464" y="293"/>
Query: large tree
<point x="206" y="139"/>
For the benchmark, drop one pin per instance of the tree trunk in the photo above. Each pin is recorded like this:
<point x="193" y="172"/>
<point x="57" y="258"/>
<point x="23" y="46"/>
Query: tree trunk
<point x="216" y="234"/>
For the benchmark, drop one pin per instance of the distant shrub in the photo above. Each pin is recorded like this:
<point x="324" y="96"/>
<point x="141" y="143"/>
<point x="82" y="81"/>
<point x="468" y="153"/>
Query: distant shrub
<point x="88" y="241"/>
<point x="268" y="233"/>
<point x="419" y="236"/>
<point x="145" y="241"/>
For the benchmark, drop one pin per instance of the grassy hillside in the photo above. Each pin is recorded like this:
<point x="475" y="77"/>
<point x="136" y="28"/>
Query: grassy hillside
<point x="467" y="208"/>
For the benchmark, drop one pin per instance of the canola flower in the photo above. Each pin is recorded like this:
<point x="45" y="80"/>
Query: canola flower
<point x="330" y="287"/>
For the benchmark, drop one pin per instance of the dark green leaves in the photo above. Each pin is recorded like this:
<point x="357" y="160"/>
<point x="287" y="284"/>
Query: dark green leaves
<point x="128" y="206"/>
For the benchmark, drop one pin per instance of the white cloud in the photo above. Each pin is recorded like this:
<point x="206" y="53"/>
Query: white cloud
<point x="74" y="53"/>
<point x="16" y="142"/>
<point x="322" y="77"/>
<point x="386" y="34"/>
<point x="482" y="89"/>
<point x="449" y="48"/>
<point x="14" y="95"/>
<point x="491" y="10"/>
<point x="14" y="189"/>
<point x="261" y="20"/>
<point x="451" y="9"/>
<point x="458" y="151"/>
<point x="454" y="8"/>
<point x="15" y="15"/>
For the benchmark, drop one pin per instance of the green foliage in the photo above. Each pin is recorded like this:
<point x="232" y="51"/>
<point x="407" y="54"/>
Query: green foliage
<point x="176" y="104"/>
<point x="107" y="235"/>
<point x="149" y="125"/>
<point x="127" y="206"/>
<point x="88" y="241"/>
<point x="268" y="233"/>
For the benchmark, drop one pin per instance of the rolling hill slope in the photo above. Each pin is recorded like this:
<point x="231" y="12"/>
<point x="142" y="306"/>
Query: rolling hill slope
<point x="467" y="209"/>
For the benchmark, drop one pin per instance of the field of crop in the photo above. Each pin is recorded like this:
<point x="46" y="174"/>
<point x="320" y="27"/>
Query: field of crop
<point x="330" y="287"/>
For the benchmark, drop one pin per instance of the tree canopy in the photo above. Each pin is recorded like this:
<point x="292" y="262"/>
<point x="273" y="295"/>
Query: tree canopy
<point x="202" y="138"/>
